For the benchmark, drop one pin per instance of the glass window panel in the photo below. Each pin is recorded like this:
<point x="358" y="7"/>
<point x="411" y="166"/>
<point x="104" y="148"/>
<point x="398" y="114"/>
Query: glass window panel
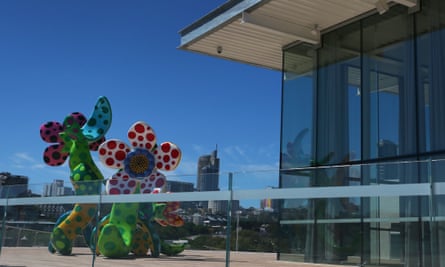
<point x="431" y="81"/>
<point x="297" y="107"/>
<point x="354" y="118"/>
<point x="430" y="23"/>
<point x="339" y="97"/>
<point x="389" y="94"/>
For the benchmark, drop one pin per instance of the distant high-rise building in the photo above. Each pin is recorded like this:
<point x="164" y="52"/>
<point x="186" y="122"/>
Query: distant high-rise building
<point x="12" y="185"/>
<point x="220" y="206"/>
<point x="208" y="175"/>
<point x="53" y="189"/>
<point x="56" y="188"/>
<point x="16" y="186"/>
<point x="179" y="186"/>
<point x="270" y="205"/>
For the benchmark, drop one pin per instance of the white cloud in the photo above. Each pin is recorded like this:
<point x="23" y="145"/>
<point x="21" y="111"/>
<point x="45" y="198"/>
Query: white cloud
<point x="22" y="157"/>
<point x="235" y="153"/>
<point x="38" y="166"/>
<point x="240" y="151"/>
<point x="22" y="160"/>
<point x="269" y="151"/>
<point x="251" y="156"/>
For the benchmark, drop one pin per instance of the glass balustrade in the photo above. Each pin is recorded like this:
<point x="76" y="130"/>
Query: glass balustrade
<point x="385" y="214"/>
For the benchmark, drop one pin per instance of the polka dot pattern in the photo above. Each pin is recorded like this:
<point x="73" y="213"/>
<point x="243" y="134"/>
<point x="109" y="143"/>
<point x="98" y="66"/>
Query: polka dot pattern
<point x="121" y="184"/>
<point x="84" y="183"/>
<point x="94" y="146"/>
<point x="49" y="132"/>
<point x="99" y="122"/>
<point x="171" y="220"/>
<point x="123" y="232"/>
<point x="53" y="155"/>
<point x="141" y="135"/>
<point x="60" y="242"/>
<point x="70" y="141"/>
<point x="111" y="243"/>
<point x="155" y="180"/>
<point x="113" y="152"/>
<point x="172" y="206"/>
<point x="169" y="217"/>
<point x="157" y="190"/>
<point x="65" y="232"/>
<point x="79" y="118"/>
<point x="168" y="156"/>
<point x="142" y="241"/>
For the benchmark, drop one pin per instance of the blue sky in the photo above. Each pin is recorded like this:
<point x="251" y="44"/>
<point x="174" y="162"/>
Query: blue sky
<point x="57" y="57"/>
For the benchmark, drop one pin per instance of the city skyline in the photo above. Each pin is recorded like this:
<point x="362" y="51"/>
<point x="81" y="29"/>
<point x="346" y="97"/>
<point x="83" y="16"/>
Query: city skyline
<point x="207" y="179"/>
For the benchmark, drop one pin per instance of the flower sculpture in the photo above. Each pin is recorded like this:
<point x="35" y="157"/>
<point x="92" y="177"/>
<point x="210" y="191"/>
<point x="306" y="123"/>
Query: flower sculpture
<point x="73" y="140"/>
<point x="137" y="165"/>
<point x="56" y="154"/>
<point x="168" y="216"/>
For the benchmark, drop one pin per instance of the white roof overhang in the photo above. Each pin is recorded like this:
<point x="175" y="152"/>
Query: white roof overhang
<point x="256" y="31"/>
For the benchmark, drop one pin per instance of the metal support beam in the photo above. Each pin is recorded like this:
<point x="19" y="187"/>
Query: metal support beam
<point x="407" y="3"/>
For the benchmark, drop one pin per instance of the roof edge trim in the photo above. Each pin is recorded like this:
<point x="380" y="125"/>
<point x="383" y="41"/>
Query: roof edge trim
<point x="215" y="19"/>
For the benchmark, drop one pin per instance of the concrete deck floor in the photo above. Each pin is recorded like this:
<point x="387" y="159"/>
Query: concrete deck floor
<point x="40" y="257"/>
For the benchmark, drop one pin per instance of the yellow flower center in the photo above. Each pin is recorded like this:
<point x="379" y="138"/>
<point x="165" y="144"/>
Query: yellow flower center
<point x="139" y="164"/>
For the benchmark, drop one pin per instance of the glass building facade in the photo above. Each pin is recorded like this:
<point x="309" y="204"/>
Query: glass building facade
<point x="366" y="107"/>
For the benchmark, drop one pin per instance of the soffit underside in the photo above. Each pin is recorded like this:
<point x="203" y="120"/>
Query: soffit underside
<point x="257" y="34"/>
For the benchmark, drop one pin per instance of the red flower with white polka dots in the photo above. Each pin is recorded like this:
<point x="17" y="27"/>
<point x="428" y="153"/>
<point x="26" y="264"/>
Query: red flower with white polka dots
<point x="138" y="163"/>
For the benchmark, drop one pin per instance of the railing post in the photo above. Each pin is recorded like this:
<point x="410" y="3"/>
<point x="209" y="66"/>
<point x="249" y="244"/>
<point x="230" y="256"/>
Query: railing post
<point x="229" y="221"/>
<point x="96" y="235"/>
<point x="2" y="231"/>
<point x="432" y="191"/>
<point x="432" y="214"/>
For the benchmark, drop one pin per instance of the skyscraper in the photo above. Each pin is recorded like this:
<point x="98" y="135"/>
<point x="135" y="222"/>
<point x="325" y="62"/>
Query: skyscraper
<point x="208" y="175"/>
<point x="208" y="172"/>
<point x="56" y="188"/>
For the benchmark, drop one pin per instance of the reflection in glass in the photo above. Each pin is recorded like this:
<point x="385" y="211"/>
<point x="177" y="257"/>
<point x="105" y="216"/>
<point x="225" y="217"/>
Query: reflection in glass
<point x="297" y="107"/>
<point x="377" y="99"/>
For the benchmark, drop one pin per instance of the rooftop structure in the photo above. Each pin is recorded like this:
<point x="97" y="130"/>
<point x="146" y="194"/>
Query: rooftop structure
<point x="362" y="105"/>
